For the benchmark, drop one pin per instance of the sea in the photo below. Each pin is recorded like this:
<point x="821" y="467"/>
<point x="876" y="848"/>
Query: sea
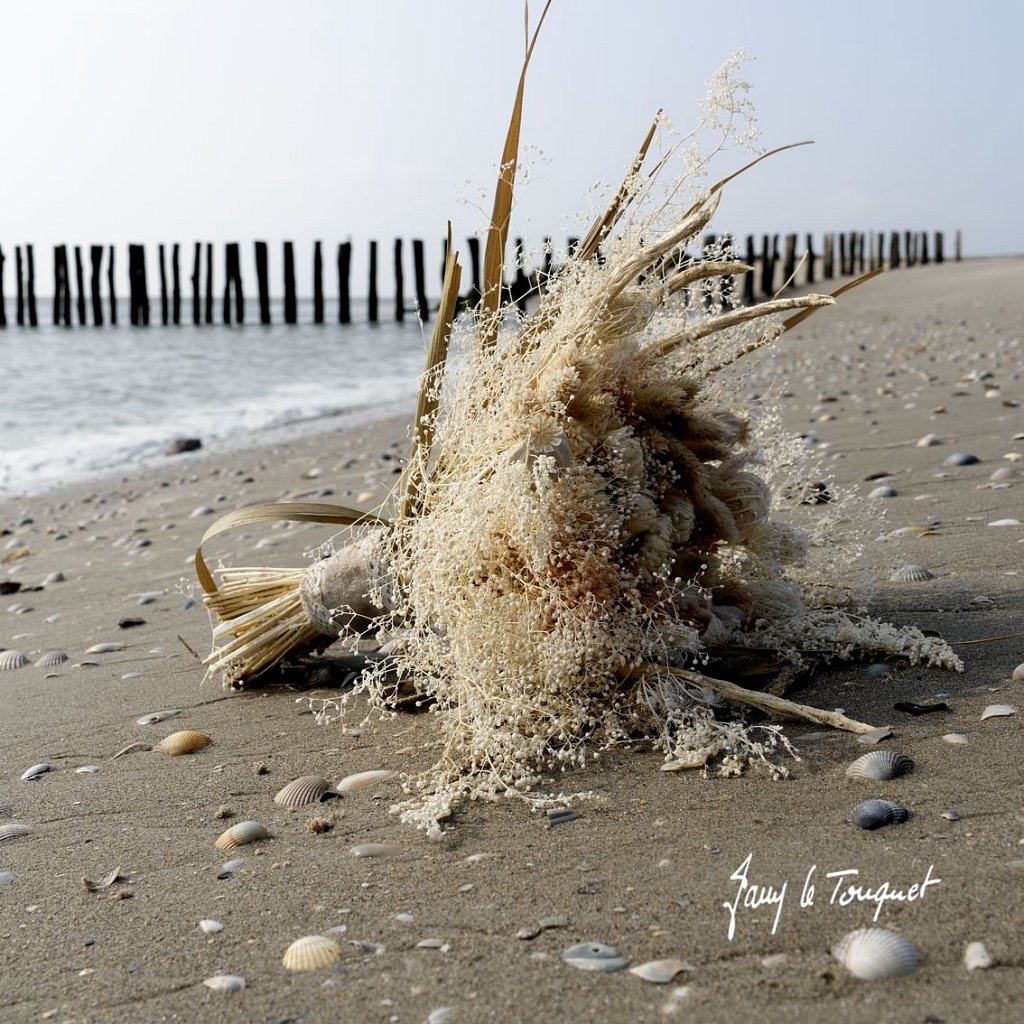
<point x="85" y="401"/>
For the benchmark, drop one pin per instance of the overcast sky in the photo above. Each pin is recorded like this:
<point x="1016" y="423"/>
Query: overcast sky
<point x="232" y="120"/>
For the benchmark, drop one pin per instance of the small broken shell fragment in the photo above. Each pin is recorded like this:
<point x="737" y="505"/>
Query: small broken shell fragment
<point x="956" y="738"/>
<point x="311" y="952"/>
<point x="307" y="789"/>
<point x="225" y="983"/>
<point x="376" y="850"/>
<point x="872" y="814"/>
<point x="106" y="881"/>
<point x="869" y="739"/>
<point x="87" y="769"/>
<point x="185" y="742"/>
<point x="660" y="972"/>
<point x="696" y="759"/>
<point x="880" y="765"/>
<point x="33" y="773"/>
<point x="998" y="711"/>
<point x="157" y="716"/>
<point x="977" y="957"/>
<point x="242" y="834"/>
<point x="13" y="830"/>
<point x="1018" y="673"/>
<point x="911" y="574"/>
<point x="105" y="648"/>
<point x="351" y="783"/>
<point x="132" y="748"/>
<point x="594" y="956"/>
<point x="210" y="927"/>
<point x="872" y="954"/>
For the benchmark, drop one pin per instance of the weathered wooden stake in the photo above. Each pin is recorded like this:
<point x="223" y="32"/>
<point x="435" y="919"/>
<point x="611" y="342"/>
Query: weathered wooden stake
<point x="371" y="298"/>
<point x="318" y="284"/>
<point x="110" y="286"/>
<point x="748" y="277"/>
<point x="233" y="283"/>
<point x="789" y="261"/>
<point x="3" y="306"/>
<point x="924" y="247"/>
<point x="290" y="307"/>
<point x="422" y="306"/>
<point x="909" y="254"/>
<point x="165" y="308"/>
<point x="842" y="255"/>
<point x="880" y="251"/>
<point x="95" y="266"/>
<point x="894" y="250"/>
<point x="58" y="285"/>
<point x="957" y="240"/>
<point x="520" y="286"/>
<point x="769" y="255"/>
<point x="399" y="283"/>
<point x="208" y="310"/>
<point x="474" y="258"/>
<point x="828" y="256"/>
<point x="80" y="285"/>
<point x="197" y="262"/>
<point x="939" y="257"/>
<point x="810" y="259"/>
<point x="175" y="285"/>
<point x="21" y="296"/>
<point x="344" y="273"/>
<point x="263" y="282"/>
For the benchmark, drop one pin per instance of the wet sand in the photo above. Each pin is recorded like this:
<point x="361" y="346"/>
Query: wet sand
<point x="650" y="862"/>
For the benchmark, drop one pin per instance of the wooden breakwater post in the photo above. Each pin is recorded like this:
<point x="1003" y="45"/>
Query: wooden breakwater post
<point x="3" y="301"/>
<point x="420" y="278"/>
<point x="399" y="283"/>
<point x="233" y="284"/>
<point x="344" y="275"/>
<point x="957" y="239"/>
<point x="939" y="257"/>
<point x="208" y="303"/>
<point x="95" y="267"/>
<point x="894" y="250"/>
<point x="789" y="261"/>
<point x="748" y="277"/>
<point x="20" y="309"/>
<point x="473" y="296"/>
<point x="139" y="292"/>
<point x="59" y="282"/>
<point x="924" y="248"/>
<point x="828" y="256"/>
<point x="165" y="308"/>
<point x="290" y="307"/>
<point x="371" y="297"/>
<point x="318" y="284"/>
<point x="520" y="286"/>
<point x="263" y="281"/>
<point x="80" y="285"/>
<point x="769" y="257"/>
<point x="110" y="287"/>
<point x="197" y="263"/>
<point x="843" y="255"/>
<point x="810" y="259"/>
<point x="175" y="285"/>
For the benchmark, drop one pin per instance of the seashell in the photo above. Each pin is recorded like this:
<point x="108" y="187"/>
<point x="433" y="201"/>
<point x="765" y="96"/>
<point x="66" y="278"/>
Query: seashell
<point x="910" y="708"/>
<point x="957" y="738"/>
<point x="977" y="957"/>
<point x="872" y="954"/>
<point x="229" y="867"/>
<point x="1003" y="473"/>
<point x="697" y="759"/>
<point x="240" y="835"/>
<point x="952" y="815"/>
<point x="376" y="850"/>
<point x="879" y="765"/>
<point x="929" y="440"/>
<point x="311" y="952"/>
<point x="184" y="742"/>
<point x="1005" y="522"/>
<point x="872" y="814"/>
<point x="869" y="739"/>
<point x="53" y="577"/>
<point x="6" y="810"/>
<point x="961" y="459"/>
<point x="594" y="956"/>
<point x="1018" y="673"/>
<point x="442" y="1015"/>
<point x="13" y="830"/>
<point x="12" y="660"/>
<point x="661" y="972"/>
<point x="7" y="876"/>
<point x="157" y="716"/>
<point x="210" y="927"/>
<point x="51" y="659"/>
<point x="998" y="711"/>
<point x="307" y="789"/>
<point x="561" y="815"/>
<point x="33" y="773"/>
<point x="883" y="492"/>
<point x="87" y="769"/>
<point x="431" y="944"/>
<point x="911" y="574"/>
<point x="351" y="783"/>
<point x="225" y="983"/>
<point x="106" y="648"/>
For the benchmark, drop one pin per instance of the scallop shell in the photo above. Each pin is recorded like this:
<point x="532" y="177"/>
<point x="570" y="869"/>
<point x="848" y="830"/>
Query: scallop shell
<point x="998" y="711"/>
<point x="911" y="574"/>
<point x="225" y="983"/>
<point x="311" y="952"/>
<point x="51" y="659"/>
<point x="184" y="742"/>
<point x="33" y="773"/>
<point x="307" y="789"/>
<point x="872" y="814"/>
<point x="977" y="957"/>
<point x="879" y="765"/>
<point x="872" y="954"/>
<point x="594" y="956"/>
<point x="661" y="972"/>
<point x="13" y="830"/>
<point x="351" y="783"/>
<point x="12" y="660"/>
<point x="241" y="834"/>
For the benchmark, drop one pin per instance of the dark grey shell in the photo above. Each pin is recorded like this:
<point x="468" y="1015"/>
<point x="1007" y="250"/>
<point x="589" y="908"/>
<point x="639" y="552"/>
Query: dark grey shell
<point x="872" y="814"/>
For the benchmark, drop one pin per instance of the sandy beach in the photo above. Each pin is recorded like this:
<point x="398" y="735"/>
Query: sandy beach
<point x="471" y="928"/>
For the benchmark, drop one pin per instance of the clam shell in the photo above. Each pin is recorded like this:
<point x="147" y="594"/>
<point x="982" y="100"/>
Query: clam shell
<point x="977" y="957"/>
<point x="961" y="459"/>
<point x="311" y="952"/>
<point x="876" y="953"/>
<point x="241" y="834"/>
<point x="594" y="956"/>
<point x="225" y="983"/>
<point x="879" y="765"/>
<point x="998" y="711"/>
<point x="351" y="783"/>
<point x="51" y="659"/>
<point x="1018" y="673"/>
<point x="30" y="774"/>
<point x="184" y="742"/>
<point x="13" y="830"/>
<point x="872" y="814"/>
<point x="661" y="972"/>
<point x="12" y="660"/>
<point x="911" y="574"/>
<point x="307" y="789"/>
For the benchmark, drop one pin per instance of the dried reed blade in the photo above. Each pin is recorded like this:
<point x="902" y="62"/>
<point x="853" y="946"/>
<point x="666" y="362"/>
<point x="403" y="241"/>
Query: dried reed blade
<point x="804" y="314"/>
<point x="701" y="271"/>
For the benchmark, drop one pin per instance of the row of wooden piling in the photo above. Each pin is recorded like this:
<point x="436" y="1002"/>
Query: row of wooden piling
<point x="841" y="255"/>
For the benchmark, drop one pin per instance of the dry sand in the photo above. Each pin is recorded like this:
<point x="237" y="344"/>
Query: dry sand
<point x="648" y="865"/>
